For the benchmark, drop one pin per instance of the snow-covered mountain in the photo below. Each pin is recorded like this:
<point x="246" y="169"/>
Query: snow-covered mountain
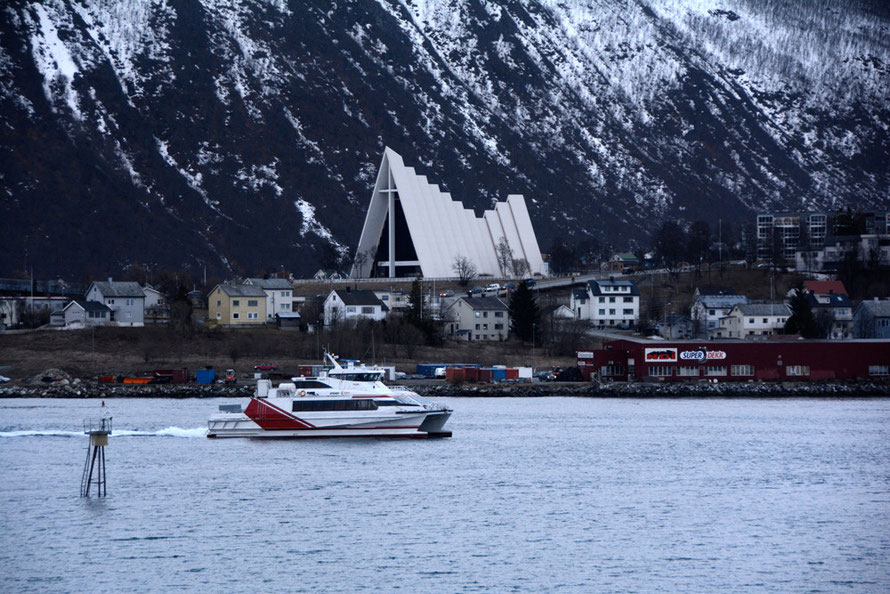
<point x="244" y="135"/>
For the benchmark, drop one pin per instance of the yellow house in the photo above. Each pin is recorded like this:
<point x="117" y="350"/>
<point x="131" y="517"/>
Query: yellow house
<point x="237" y="305"/>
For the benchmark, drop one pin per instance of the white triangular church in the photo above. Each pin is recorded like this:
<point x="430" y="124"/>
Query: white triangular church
<point x="414" y="229"/>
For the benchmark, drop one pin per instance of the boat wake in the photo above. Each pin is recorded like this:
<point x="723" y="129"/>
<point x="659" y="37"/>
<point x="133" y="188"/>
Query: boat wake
<point x="168" y="432"/>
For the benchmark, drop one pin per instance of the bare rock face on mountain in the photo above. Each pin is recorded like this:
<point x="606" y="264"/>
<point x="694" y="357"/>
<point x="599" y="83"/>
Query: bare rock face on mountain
<point x="239" y="136"/>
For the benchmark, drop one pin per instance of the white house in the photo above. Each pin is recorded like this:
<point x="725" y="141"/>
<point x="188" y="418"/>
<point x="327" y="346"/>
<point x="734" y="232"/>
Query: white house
<point x="126" y="299"/>
<point x="755" y="319"/>
<point x="279" y="295"/>
<point x="346" y="305"/>
<point x="607" y="302"/>
<point x="710" y="304"/>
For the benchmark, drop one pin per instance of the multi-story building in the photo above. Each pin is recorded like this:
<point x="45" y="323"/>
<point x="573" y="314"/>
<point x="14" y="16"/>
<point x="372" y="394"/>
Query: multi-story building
<point x="747" y="320"/>
<point x="839" y="308"/>
<point x="279" y="295"/>
<point x="237" y="305"/>
<point x="782" y="235"/>
<point x="477" y="318"/>
<point x="125" y="299"/>
<point x="607" y="302"/>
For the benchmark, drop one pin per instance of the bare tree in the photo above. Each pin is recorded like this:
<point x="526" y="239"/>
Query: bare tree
<point x="521" y="267"/>
<point x="505" y="257"/>
<point x="465" y="270"/>
<point x="358" y="264"/>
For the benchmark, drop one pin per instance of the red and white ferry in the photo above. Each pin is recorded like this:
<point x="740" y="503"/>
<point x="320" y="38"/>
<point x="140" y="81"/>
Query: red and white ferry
<point x="347" y="401"/>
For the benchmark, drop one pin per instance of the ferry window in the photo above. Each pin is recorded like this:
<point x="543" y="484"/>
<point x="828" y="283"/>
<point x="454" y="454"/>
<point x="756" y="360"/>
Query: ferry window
<point x="386" y="403"/>
<point x="307" y="384"/>
<point x="357" y="377"/>
<point x="332" y="405"/>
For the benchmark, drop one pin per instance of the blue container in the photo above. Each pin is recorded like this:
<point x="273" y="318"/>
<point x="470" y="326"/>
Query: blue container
<point x="498" y="374"/>
<point x="205" y="376"/>
<point x="429" y="369"/>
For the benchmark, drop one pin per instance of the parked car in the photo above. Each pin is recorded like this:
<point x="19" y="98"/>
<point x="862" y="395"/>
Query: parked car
<point x="493" y="287"/>
<point x="548" y="376"/>
<point x="510" y="287"/>
<point x="446" y="293"/>
<point x="266" y="367"/>
<point x="231" y="377"/>
<point x="477" y="290"/>
<point x="627" y="270"/>
<point x="529" y="282"/>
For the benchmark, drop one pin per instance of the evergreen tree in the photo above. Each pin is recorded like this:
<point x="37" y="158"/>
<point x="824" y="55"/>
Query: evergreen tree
<point x="524" y="313"/>
<point x="415" y="303"/>
<point x="802" y="320"/>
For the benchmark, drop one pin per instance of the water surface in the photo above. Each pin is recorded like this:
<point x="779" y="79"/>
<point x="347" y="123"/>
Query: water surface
<point x="531" y="494"/>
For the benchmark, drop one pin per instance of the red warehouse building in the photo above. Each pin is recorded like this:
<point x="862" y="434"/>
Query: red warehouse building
<point x="786" y="360"/>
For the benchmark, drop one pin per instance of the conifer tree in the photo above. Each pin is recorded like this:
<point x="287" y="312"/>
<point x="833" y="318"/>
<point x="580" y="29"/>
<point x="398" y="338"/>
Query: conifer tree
<point x="524" y="313"/>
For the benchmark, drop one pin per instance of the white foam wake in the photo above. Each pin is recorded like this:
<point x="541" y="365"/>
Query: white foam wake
<point x="168" y="432"/>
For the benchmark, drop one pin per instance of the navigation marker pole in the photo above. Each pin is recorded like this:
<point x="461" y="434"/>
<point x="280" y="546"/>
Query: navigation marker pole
<point x="98" y="430"/>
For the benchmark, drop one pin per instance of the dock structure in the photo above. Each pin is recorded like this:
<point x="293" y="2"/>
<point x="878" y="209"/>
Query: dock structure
<point x="98" y="430"/>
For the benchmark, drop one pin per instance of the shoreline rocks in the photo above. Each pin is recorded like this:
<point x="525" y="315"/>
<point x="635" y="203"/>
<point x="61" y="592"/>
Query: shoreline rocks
<point x="609" y="390"/>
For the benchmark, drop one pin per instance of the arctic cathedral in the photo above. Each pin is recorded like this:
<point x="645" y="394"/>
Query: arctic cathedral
<point x="414" y="229"/>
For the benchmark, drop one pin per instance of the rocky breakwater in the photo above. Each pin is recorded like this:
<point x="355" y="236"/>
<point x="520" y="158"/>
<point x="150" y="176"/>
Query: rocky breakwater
<point x="55" y="383"/>
<point x="666" y="390"/>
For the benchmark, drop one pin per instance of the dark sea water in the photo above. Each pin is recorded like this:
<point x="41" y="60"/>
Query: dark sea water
<point x="530" y="495"/>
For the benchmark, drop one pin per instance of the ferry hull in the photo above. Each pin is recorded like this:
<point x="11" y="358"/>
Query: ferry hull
<point x="416" y="426"/>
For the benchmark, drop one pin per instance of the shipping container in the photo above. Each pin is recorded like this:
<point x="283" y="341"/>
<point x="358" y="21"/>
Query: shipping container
<point x="429" y="369"/>
<point x="498" y="374"/>
<point x="205" y="376"/>
<point x="173" y="376"/>
<point x="472" y="374"/>
<point x="512" y="373"/>
<point x="485" y="375"/>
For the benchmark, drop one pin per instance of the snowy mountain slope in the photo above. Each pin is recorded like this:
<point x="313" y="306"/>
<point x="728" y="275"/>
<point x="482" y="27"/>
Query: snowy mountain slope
<point x="246" y="135"/>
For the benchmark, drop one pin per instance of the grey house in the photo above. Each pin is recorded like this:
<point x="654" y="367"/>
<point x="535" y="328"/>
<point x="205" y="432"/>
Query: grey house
<point x="872" y="319"/>
<point x="676" y="326"/>
<point x="126" y="300"/>
<point x="478" y="318"/>
<point x="83" y="313"/>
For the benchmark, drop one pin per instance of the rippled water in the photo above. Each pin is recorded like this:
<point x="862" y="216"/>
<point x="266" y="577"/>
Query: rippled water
<point x="537" y="494"/>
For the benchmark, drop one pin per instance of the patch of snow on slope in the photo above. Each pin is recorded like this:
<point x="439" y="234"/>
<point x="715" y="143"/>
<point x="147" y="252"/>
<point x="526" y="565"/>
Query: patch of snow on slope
<point x="54" y="62"/>
<point x="127" y="31"/>
<point x="194" y="180"/>
<point x="311" y="224"/>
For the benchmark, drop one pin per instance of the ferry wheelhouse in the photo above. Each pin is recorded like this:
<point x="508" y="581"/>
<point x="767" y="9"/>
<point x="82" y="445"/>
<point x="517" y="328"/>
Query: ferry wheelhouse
<point x="347" y="401"/>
